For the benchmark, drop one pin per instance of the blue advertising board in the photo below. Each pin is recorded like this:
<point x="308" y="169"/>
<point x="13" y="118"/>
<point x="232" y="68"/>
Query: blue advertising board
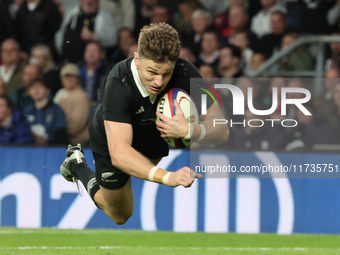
<point x="33" y="194"/>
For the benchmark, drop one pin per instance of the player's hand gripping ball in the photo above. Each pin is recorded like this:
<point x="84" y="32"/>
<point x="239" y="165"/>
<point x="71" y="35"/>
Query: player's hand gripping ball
<point x="174" y="120"/>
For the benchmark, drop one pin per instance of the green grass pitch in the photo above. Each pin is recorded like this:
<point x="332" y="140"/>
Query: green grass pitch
<point x="108" y="242"/>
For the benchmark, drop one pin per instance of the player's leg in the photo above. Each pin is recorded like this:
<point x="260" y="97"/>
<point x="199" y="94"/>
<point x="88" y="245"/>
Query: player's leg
<point x="75" y="168"/>
<point x="118" y="203"/>
<point x="115" y="192"/>
<point x="114" y="195"/>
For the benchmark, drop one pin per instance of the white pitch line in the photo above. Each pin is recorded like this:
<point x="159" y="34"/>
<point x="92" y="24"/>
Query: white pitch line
<point x="168" y="248"/>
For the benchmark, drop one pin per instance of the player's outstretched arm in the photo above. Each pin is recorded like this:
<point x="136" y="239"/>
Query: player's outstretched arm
<point x="184" y="176"/>
<point x="178" y="127"/>
<point x="123" y="156"/>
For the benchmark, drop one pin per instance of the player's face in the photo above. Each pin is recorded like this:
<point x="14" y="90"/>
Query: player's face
<point x="154" y="76"/>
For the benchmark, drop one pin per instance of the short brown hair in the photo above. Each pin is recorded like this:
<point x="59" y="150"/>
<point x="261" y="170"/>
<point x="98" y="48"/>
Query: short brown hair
<point x="159" y="42"/>
<point x="36" y="81"/>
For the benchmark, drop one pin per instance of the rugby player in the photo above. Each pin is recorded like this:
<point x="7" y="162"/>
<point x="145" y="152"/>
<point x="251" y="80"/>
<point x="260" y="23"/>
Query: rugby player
<point x="124" y="136"/>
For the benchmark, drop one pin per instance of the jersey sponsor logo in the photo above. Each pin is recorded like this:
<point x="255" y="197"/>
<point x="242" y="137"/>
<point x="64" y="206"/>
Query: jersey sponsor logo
<point x="141" y="109"/>
<point x="105" y="177"/>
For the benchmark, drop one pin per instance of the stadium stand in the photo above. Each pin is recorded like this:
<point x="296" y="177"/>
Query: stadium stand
<point x="261" y="40"/>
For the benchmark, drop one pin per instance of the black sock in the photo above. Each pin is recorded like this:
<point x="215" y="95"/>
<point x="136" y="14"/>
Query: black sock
<point x="87" y="177"/>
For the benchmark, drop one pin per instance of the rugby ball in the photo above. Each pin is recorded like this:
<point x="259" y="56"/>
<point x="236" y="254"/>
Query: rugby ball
<point x="166" y="106"/>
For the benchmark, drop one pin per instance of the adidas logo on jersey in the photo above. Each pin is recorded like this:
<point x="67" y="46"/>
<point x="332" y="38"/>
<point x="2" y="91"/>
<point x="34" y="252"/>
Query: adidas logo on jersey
<point x="141" y="109"/>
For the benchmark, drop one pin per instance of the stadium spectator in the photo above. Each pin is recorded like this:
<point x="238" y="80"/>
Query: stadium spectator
<point x="207" y="72"/>
<point x="244" y="83"/>
<point x="332" y="78"/>
<point x="324" y="103"/>
<point x="182" y="20"/>
<point x="12" y="67"/>
<point x="314" y="16"/>
<point x="144" y="10"/>
<point x="229" y="61"/>
<point x="75" y="104"/>
<point x="278" y="83"/>
<point x="333" y="14"/>
<point x="13" y="130"/>
<point x="292" y="109"/>
<point x="241" y="40"/>
<point x="41" y="56"/>
<point x="2" y="88"/>
<point x="209" y="49"/>
<point x="20" y="97"/>
<point x="271" y="43"/>
<point x="257" y="60"/>
<point x="317" y="125"/>
<point x="160" y="14"/>
<point x="258" y="136"/>
<point x="45" y="119"/>
<point x="215" y="7"/>
<point x="122" y="12"/>
<point x="336" y="100"/>
<point x="260" y="23"/>
<point x="132" y="49"/>
<point x="94" y="70"/>
<point x="13" y="7"/>
<point x="125" y="40"/>
<point x="84" y="23"/>
<point x="334" y="60"/>
<point x="237" y="21"/>
<point x="7" y="21"/>
<point x="37" y="21"/>
<point x="307" y="132"/>
<point x="187" y="54"/>
<point x="295" y="136"/>
<point x="298" y="60"/>
<point x="201" y="20"/>
<point x="221" y="20"/>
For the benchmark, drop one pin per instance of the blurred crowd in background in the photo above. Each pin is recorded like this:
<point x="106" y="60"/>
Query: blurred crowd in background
<point x="56" y="53"/>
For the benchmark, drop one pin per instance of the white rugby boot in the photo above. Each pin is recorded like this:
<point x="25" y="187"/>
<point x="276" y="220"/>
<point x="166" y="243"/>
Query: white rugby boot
<point x="74" y="154"/>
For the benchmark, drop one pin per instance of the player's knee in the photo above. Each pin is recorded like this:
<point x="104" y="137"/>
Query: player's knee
<point x="119" y="218"/>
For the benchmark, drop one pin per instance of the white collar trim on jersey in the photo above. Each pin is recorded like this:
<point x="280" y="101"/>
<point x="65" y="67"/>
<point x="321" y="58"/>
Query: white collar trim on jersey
<point x="139" y="84"/>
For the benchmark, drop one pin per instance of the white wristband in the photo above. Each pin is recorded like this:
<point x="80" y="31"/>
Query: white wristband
<point x="152" y="172"/>
<point x="203" y="133"/>
<point x="165" y="178"/>
<point x="191" y="131"/>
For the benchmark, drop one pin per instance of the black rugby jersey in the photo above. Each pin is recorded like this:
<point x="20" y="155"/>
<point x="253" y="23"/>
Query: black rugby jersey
<point x="121" y="101"/>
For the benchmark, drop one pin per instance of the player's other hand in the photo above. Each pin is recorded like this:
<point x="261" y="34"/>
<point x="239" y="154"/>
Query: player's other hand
<point x="184" y="176"/>
<point x="175" y="127"/>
